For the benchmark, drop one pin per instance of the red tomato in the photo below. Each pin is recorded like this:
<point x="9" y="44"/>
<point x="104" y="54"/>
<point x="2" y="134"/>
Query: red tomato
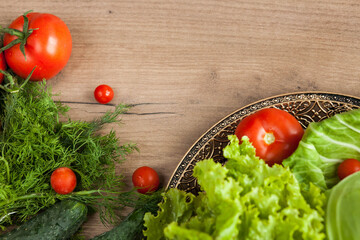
<point x="2" y="66"/>
<point x="63" y="180"/>
<point x="274" y="133"/>
<point x="103" y="94"/>
<point x="145" y="179"/>
<point x="348" y="167"/>
<point x="48" y="47"/>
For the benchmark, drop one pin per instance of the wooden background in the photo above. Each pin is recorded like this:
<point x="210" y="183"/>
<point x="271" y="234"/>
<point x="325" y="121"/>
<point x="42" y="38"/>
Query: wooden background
<point x="187" y="64"/>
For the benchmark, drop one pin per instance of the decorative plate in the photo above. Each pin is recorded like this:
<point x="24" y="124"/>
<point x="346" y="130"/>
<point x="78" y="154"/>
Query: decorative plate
<point x="307" y="107"/>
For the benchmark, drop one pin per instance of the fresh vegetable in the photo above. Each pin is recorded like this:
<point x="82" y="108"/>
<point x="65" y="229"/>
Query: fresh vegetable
<point x="145" y="179"/>
<point x="38" y="40"/>
<point x="131" y="228"/>
<point x="343" y="210"/>
<point x="34" y="142"/>
<point x="245" y="199"/>
<point x="58" y="222"/>
<point x="63" y="180"/>
<point x="103" y="94"/>
<point x="2" y="66"/>
<point x="274" y="133"/>
<point x="348" y="167"/>
<point x="324" y="146"/>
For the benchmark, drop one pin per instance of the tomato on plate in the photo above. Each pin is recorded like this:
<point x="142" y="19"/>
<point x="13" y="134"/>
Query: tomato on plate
<point x="145" y="179"/>
<point x="47" y="46"/>
<point x="63" y="180"/>
<point x="103" y="94"/>
<point x="2" y="66"/>
<point x="348" y="167"/>
<point x="274" y="133"/>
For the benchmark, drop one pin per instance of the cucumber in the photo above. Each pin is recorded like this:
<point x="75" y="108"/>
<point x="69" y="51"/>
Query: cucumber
<point x="129" y="229"/>
<point x="133" y="225"/>
<point x="58" y="222"/>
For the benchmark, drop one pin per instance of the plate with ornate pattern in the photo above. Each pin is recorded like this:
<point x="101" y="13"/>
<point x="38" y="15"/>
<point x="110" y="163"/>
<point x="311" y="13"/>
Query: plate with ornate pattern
<point x="307" y="107"/>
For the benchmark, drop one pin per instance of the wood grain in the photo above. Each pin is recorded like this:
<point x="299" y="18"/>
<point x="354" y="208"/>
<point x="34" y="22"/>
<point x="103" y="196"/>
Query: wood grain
<point x="187" y="64"/>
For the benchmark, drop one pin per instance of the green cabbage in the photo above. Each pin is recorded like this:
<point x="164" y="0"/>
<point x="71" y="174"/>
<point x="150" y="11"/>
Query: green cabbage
<point x="343" y="210"/>
<point x="323" y="147"/>
<point x="245" y="199"/>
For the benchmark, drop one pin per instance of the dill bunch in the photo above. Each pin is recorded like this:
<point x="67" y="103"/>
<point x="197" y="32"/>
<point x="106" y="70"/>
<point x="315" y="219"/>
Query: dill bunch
<point x="34" y="142"/>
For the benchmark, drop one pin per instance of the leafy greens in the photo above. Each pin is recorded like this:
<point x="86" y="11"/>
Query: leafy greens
<point x="245" y="199"/>
<point x="324" y="146"/>
<point x="34" y="142"/>
<point x="343" y="210"/>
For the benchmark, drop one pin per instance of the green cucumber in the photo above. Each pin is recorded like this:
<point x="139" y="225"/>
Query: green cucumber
<point x="129" y="229"/>
<point x="58" y="222"/>
<point x="133" y="225"/>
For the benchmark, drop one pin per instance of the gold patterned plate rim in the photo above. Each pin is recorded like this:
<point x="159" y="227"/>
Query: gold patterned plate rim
<point x="307" y="107"/>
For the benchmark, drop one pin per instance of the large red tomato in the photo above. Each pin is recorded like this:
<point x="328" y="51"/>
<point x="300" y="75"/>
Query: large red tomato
<point x="48" y="47"/>
<point x="2" y="66"/>
<point x="274" y="133"/>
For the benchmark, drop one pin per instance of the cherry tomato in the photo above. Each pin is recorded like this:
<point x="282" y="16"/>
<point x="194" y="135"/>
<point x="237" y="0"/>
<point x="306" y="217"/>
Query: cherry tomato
<point x="63" y="180"/>
<point x="274" y="133"/>
<point x="348" y="167"/>
<point x="2" y="66"/>
<point x="48" y="47"/>
<point x="103" y="94"/>
<point x="145" y="179"/>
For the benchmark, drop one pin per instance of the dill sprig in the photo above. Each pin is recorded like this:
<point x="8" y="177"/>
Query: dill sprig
<point x="34" y="142"/>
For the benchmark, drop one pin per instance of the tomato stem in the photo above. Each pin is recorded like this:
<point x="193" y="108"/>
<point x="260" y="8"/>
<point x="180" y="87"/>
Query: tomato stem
<point x="269" y="138"/>
<point x="22" y="36"/>
<point x="13" y="32"/>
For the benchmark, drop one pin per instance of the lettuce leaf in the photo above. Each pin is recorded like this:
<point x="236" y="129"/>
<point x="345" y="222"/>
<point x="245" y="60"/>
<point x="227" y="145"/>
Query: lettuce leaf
<point x="174" y="231"/>
<point x="343" y="209"/>
<point x="177" y="206"/>
<point x="323" y="147"/>
<point x="245" y="199"/>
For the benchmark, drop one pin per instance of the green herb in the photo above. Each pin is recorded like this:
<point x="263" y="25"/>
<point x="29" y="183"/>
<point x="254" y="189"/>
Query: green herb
<point x="34" y="142"/>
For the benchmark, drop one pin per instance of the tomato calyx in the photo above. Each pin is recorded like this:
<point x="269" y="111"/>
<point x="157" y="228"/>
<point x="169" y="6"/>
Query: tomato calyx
<point x="269" y="138"/>
<point x="22" y="36"/>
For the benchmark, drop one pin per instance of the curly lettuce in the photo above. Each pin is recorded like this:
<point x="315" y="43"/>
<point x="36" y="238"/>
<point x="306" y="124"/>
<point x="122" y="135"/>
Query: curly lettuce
<point x="323" y="147"/>
<point x="245" y="199"/>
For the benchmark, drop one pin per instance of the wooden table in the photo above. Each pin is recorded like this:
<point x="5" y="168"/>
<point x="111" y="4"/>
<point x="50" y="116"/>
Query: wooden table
<point x="187" y="64"/>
